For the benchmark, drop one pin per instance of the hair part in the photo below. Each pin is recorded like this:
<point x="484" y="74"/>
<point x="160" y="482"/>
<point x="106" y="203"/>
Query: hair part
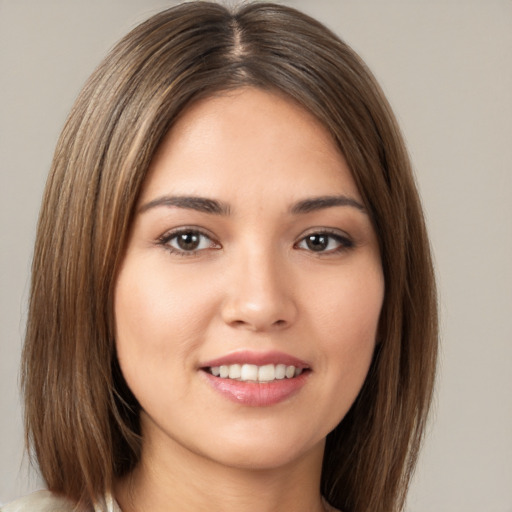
<point x="81" y="418"/>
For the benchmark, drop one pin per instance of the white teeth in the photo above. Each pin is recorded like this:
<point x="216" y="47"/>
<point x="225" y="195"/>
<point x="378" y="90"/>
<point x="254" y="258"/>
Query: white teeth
<point x="249" y="372"/>
<point x="290" y="372"/>
<point x="235" y="371"/>
<point x="252" y="372"/>
<point x="267" y="373"/>
<point x="280" y="371"/>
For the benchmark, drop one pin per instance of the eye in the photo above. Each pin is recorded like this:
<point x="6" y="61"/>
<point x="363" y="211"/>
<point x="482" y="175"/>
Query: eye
<point x="187" y="241"/>
<point x="325" y="242"/>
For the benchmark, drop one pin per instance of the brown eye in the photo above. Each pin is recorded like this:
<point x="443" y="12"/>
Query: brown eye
<point x="325" y="242"/>
<point x="188" y="242"/>
<point x="317" y="242"/>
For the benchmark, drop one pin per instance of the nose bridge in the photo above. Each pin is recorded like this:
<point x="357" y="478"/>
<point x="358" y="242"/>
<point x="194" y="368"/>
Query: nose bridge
<point x="259" y="297"/>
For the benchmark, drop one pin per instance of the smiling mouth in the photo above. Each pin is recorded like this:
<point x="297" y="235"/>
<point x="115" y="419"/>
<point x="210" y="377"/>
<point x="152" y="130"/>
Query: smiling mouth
<point x="254" y="373"/>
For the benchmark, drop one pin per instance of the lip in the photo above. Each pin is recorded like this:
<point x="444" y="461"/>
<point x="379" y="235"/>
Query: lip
<point x="257" y="358"/>
<point x="256" y="394"/>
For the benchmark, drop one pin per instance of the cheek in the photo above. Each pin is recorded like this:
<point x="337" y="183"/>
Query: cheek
<point x="161" y="319"/>
<point x="155" y="311"/>
<point x="348" y="307"/>
<point x="158" y="327"/>
<point x="346" y="318"/>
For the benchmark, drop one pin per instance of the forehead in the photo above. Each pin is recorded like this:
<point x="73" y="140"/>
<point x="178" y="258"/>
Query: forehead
<point x="248" y="140"/>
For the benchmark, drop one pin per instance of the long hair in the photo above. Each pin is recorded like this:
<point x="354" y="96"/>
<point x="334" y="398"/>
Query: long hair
<point x="82" y="421"/>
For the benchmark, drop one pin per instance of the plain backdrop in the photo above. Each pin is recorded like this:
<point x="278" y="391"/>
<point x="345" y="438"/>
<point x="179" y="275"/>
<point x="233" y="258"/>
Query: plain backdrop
<point x="446" y="67"/>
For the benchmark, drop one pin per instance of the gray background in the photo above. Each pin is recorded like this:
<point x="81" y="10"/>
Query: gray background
<point x="447" y="69"/>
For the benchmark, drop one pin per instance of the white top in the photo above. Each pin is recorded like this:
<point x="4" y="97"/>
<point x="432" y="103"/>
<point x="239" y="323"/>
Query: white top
<point x="46" y="501"/>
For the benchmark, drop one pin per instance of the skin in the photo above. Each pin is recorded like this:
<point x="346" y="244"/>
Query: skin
<point x="253" y="284"/>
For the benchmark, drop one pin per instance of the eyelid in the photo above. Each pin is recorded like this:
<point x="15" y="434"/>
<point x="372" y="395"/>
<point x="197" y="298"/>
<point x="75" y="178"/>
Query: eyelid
<point x="345" y="241"/>
<point x="165" y="238"/>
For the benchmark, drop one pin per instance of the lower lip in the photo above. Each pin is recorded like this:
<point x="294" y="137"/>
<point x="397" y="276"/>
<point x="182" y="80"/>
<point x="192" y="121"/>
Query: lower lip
<point x="257" y="394"/>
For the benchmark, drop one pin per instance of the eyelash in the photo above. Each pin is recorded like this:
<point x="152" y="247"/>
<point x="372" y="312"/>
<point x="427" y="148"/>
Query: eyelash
<point x="343" y="241"/>
<point x="165" y="240"/>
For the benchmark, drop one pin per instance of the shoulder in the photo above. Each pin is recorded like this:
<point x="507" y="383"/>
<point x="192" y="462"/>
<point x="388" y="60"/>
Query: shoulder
<point x="40" y="501"/>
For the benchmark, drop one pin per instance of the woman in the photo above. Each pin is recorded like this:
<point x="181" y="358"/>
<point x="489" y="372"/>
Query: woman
<point x="232" y="304"/>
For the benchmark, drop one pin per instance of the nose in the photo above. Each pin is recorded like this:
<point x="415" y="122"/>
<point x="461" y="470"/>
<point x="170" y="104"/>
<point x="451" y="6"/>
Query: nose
<point x="260" y="294"/>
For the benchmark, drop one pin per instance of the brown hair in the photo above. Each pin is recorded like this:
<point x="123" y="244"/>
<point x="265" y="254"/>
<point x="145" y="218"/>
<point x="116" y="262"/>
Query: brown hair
<point x="81" y="419"/>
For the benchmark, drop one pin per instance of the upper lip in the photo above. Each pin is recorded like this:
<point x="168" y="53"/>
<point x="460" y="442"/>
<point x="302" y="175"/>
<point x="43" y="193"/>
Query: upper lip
<point x="256" y="358"/>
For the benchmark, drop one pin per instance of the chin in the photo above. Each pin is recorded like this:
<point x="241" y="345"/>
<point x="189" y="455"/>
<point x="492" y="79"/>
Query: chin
<point x="264" y="452"/>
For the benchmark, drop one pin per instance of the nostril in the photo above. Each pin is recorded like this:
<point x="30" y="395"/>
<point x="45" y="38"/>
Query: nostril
<point x="258" y="313"/>
<point x="253" y="325"/>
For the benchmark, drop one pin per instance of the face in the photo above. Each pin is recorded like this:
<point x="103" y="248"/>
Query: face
<point x="248" y="300"/>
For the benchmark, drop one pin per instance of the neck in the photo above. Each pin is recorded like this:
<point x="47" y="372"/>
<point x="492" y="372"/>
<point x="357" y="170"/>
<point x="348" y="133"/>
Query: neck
<point x="178" y="479"/>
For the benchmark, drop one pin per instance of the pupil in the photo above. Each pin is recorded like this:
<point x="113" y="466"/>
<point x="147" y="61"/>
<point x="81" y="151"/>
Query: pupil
<point x="188" y="241"/>
<point x="317" y="242"/>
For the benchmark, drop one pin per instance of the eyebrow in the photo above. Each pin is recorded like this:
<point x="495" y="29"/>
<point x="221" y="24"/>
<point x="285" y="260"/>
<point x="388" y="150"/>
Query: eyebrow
<point x="215" y="207"/>
<point x="319" y="203"/>
<point x="200" y="204"/>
